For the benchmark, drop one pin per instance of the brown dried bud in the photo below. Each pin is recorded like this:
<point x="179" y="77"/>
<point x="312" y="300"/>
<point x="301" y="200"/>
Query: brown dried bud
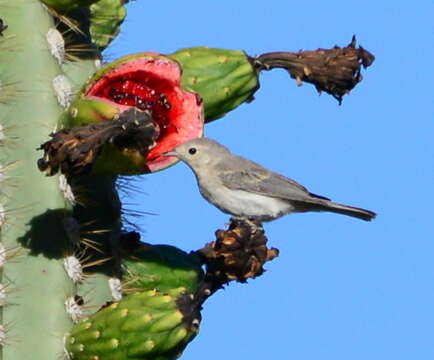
<point x="238" y="253"/>
<point x="74" y="151"/>
<point x="335" y="71"/>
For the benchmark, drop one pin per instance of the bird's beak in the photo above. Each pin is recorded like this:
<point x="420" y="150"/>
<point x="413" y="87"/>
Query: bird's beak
<point x="170" y="153"/>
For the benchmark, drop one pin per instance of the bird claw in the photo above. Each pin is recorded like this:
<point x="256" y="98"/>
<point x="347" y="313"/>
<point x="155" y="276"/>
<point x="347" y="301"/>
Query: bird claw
<point x="254" y="225"/>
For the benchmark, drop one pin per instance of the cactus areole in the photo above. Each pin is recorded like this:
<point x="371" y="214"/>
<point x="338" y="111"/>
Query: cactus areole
<point x="149" y="82"/>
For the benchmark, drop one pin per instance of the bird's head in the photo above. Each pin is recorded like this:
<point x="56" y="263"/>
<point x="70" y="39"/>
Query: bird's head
<point x="199" y="152"/>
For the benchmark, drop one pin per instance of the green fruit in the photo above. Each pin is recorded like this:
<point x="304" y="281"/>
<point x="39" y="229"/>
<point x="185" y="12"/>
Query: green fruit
<point x="162" y="267"/>
<point x="147" y="326"/>
<point x="105" y="20"/>
<point x="223" y="78"/>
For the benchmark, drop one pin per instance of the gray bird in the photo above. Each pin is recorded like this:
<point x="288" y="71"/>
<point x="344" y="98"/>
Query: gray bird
<point x="242" y="188"/>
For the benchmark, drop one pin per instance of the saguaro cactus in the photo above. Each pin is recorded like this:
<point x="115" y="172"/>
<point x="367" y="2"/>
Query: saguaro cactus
<point x="64" y="259"/>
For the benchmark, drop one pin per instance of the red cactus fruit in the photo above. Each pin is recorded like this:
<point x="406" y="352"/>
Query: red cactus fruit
<point x="149" y="82"/>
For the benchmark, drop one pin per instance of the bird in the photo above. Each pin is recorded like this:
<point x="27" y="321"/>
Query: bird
<point x="247" y="190"/>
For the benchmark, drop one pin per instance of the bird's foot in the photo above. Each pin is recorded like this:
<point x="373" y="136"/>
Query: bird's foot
<point x="255" y="225"/>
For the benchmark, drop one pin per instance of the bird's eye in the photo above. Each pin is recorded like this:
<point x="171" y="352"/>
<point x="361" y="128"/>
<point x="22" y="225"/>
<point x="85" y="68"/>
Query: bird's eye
<point x="192" y="151"/>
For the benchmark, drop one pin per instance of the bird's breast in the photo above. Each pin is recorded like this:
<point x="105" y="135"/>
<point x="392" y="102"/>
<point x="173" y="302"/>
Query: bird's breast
<point x="243" y="203"/>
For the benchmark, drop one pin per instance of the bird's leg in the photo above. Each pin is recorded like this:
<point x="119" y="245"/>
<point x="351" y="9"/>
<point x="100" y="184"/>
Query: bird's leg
<point x="254" y="224"/>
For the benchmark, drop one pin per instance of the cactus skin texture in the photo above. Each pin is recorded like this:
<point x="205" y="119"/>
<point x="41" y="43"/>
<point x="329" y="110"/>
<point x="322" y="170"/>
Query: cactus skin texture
<point x="148" y="325"/>
<point x="161" y="267"/>
<point x="223" y="78"/>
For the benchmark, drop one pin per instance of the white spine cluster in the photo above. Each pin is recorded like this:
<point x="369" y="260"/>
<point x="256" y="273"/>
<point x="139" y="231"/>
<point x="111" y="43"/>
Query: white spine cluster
<point x="65" y="188"/>
<point x="2" y="173"/>
<point x="2" y="134"/>
<point x="2" y="335"/>
<point x="63" y="90"/>
<point x="2" y="215"/>
<point x="57" y="45"/>
<point x="73" y="309"/>
<point x="115" y="286"/>
<point x="3" y="255"/>
<point x="73" y="268"/>
<point x="2" y="295"/>
<point x="98" y="64"/>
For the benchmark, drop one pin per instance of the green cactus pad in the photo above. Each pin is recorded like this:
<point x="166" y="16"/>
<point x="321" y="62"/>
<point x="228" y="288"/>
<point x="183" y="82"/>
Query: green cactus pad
<point x="68" y="5"/>
<point x="149" y="82"/>
<point x="223" y="78"/>
<point x="147" y="326"/>
<point x="162" y="267"/>
<point x="106" y="18"/>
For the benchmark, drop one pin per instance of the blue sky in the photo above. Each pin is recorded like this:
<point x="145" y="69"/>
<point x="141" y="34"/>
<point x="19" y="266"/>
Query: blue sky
<point x="341" y="288"/>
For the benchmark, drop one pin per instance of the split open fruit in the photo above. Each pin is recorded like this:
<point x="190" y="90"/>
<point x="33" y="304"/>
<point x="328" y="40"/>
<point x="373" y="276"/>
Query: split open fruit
<point x="148" y="82"/>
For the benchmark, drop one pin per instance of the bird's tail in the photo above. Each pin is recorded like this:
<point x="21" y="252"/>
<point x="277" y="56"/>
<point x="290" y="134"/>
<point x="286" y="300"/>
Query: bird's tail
<point x="360" y="213"/>
<point x="323" y="204"/>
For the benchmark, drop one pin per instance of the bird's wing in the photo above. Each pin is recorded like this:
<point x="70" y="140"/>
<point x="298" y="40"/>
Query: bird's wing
<point x="252" y="177"/>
